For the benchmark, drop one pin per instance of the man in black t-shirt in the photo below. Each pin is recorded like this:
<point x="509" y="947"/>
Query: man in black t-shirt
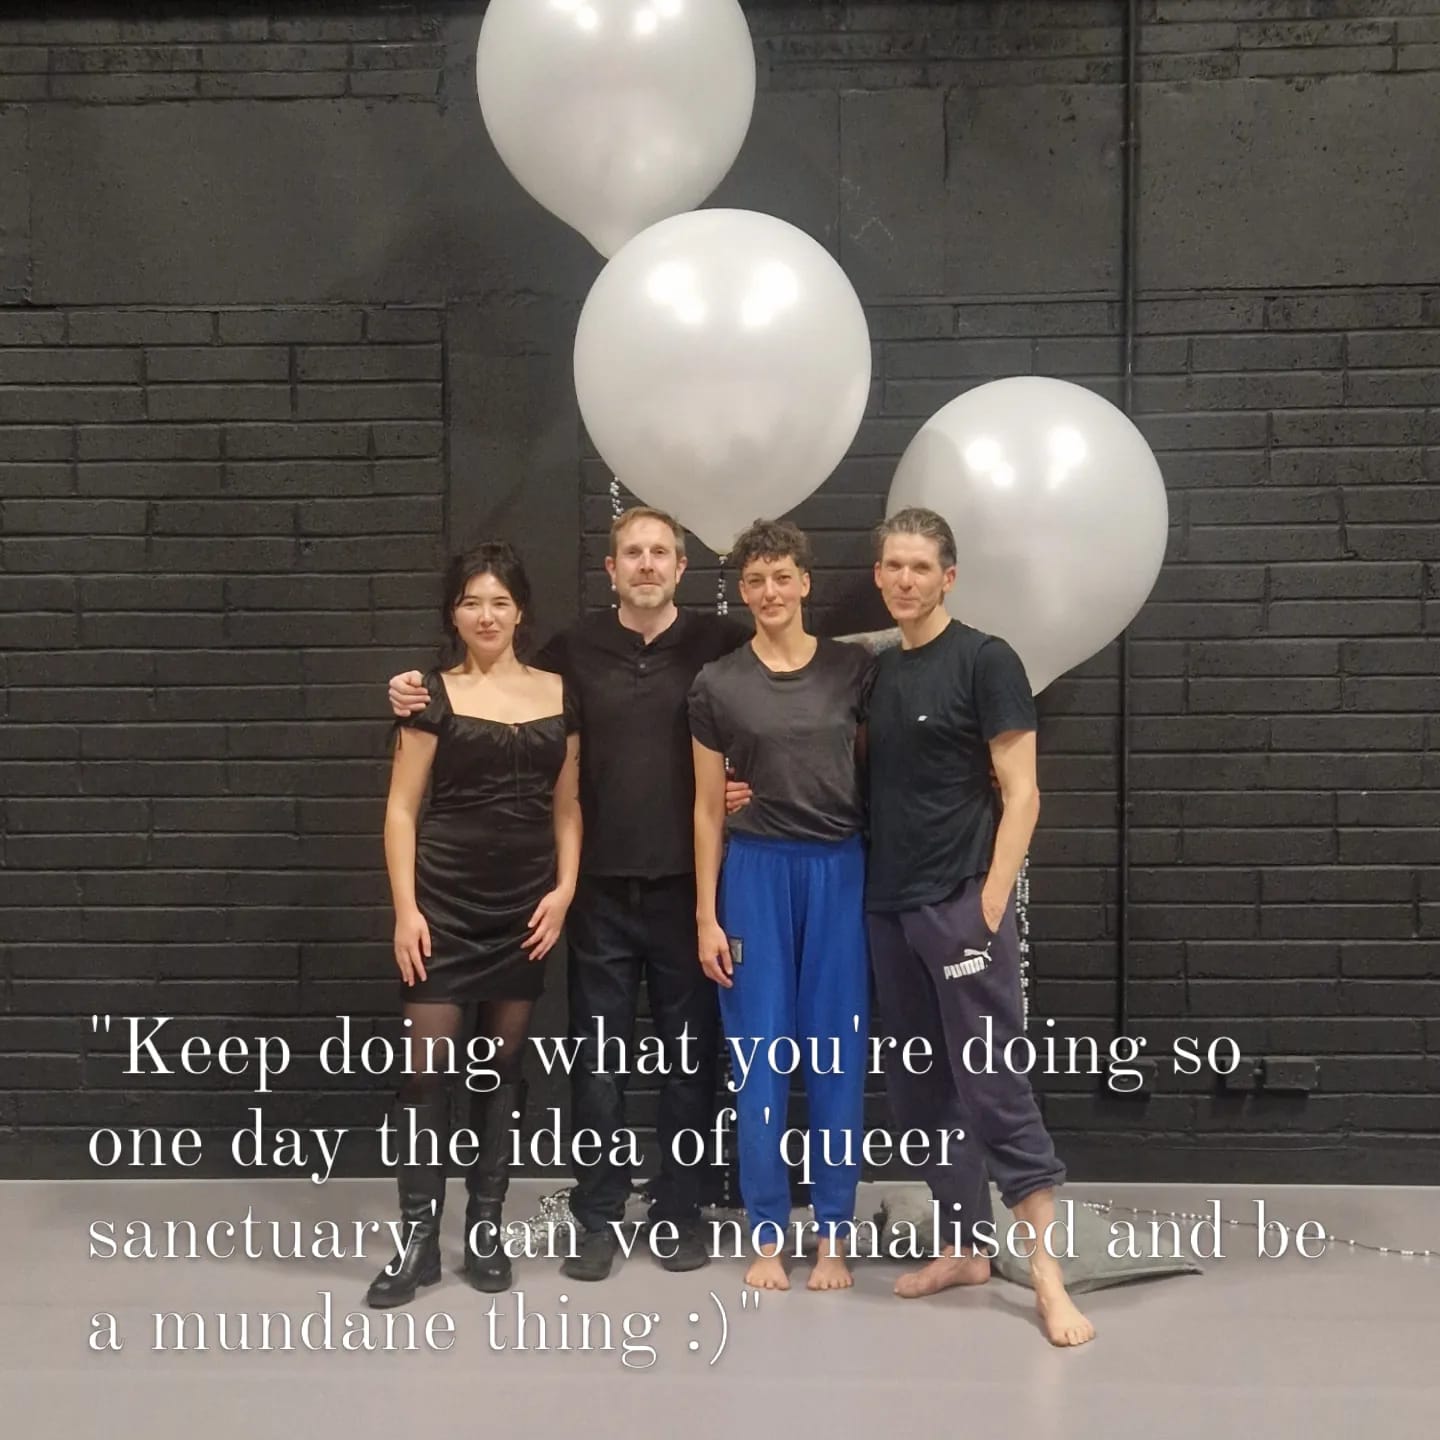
<point x="633" y="915"/>
<point x="948" y="705"/>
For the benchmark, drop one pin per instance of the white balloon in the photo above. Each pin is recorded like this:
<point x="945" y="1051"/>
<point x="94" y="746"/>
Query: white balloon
<point x="614" y="114"/>
<point x="1059" y="513"/>
<point x="722" y="364"/>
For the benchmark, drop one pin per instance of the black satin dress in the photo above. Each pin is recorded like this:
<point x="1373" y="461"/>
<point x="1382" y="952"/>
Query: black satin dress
<point x="485" y="854"/>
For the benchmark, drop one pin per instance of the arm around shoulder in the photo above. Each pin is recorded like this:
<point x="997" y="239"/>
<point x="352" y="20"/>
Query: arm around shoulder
<point x="413" y="715"/>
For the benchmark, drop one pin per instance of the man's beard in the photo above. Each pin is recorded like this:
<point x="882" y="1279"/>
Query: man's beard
<point x="654" y="598"/>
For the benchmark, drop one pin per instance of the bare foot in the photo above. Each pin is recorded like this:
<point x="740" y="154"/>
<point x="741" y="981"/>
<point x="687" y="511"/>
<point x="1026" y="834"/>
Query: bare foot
<point x="830" y="1272"/>
<point x="1063" y="1324"/>
<point x="950" y="1269"/>
<point x="767" y="1272"/>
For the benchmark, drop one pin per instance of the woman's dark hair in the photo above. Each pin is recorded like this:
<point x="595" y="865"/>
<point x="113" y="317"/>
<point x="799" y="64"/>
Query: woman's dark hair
<point x="494" y="557"/>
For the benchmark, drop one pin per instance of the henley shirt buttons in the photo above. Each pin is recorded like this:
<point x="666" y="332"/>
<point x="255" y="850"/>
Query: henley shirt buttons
<point x="639" y="802"/>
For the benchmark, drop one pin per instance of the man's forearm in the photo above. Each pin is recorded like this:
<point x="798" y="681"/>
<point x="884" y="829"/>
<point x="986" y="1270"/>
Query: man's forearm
<point x="1019" y="814"/>
<point x="709" y="841"/>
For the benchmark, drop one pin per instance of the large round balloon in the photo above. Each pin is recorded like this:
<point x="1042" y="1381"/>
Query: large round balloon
<point x="722" y="364"/>
<point x="614" y="114"/>
<point x="1059" y="514"/>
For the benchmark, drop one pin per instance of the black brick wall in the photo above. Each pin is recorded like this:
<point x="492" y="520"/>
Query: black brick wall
<point x="273" y="321"/>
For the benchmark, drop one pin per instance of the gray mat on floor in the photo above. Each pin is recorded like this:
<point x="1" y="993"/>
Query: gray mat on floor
<point x="1087" y="1265"/>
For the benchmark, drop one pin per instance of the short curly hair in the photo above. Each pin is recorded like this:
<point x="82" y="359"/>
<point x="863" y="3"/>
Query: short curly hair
<point x="771" y="540"/>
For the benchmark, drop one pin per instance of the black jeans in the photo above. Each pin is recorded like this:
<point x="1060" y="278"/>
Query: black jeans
<point x="620" y="930"/>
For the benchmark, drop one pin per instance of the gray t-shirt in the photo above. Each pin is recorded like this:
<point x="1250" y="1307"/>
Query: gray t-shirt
<point x="790" y="735"/>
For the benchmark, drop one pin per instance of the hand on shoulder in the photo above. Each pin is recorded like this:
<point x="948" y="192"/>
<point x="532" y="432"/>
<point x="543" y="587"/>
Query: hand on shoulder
<point x="407" y="693"/>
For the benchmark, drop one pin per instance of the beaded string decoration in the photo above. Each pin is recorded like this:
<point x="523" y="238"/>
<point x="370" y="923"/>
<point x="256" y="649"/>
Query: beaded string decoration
<point x="1107" y="1207"/>
<point x="555" y="1211"/>
<point x="1022" y="924"/>
<point x="616" y="510"/>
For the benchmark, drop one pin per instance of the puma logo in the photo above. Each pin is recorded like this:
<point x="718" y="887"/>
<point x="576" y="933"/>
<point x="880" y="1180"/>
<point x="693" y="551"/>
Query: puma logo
<point x="974" y="962"/>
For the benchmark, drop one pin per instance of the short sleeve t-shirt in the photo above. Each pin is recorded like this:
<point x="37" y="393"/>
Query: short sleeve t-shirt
<point x="790" y="735"/>
<point x="933" y="807"/>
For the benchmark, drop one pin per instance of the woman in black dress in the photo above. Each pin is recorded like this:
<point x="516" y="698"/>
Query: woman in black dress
<point x="480" y="888"/>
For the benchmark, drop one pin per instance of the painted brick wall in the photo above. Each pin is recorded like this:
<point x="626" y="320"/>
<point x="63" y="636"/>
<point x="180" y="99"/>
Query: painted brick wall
<point x="274" y="318"/>
<point x="207" y="523"/>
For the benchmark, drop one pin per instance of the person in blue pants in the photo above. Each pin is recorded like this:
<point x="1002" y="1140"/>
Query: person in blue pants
<point x="781" y="925"/>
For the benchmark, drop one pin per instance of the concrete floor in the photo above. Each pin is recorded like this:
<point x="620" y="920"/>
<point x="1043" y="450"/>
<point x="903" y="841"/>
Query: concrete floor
<point x="1346" y="1344"/>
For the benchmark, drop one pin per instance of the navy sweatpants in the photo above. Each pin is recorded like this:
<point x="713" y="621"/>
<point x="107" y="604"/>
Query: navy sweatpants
<point x="939" y="973"/>
<point x="793" y="913"/>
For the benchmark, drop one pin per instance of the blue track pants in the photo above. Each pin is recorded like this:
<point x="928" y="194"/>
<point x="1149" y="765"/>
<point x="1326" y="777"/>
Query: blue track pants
<point x="796" y="909"/>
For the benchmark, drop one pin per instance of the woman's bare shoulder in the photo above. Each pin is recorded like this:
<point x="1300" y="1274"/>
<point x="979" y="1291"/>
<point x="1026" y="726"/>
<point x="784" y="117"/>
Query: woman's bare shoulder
<point x="547" y="682"/>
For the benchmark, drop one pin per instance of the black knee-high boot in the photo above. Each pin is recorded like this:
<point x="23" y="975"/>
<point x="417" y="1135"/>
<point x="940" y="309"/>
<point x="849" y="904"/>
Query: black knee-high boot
<point x="422" y="1202"/>
<point x="487" y="1267"/>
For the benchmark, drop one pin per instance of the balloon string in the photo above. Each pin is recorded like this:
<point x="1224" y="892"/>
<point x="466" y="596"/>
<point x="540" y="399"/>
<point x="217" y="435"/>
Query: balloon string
<point x="730" y="1176"/>
<point x="1022" y="924"/>
<point x="616" y="511"/>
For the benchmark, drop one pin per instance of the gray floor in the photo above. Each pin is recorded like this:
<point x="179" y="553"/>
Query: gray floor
<point x="1347" y="1344"/>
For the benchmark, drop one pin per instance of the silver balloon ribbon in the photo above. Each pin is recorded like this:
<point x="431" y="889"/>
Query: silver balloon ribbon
<point x="730" y="1170"/>
<point x="1022" y="924"/>
<point x="616" y="510"/>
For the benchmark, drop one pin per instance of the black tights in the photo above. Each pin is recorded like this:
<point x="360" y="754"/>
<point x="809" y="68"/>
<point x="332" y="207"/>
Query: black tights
<point x="433" y="1024"/>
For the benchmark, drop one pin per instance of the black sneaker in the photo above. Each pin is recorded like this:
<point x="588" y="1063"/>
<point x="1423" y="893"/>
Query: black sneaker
<point x="689" y="1249"/>
<point x="594" y="1256"/>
